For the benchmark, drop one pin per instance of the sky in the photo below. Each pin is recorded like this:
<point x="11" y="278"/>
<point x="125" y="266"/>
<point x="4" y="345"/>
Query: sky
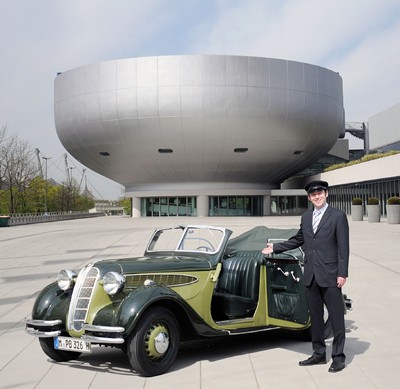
<point x="359" y="39"/>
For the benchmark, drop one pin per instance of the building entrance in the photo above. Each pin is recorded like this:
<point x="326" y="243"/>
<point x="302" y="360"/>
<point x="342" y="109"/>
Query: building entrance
<point x="236" y="206"/>
<point x="288" y="205"/>
<point x="168" y="206"/>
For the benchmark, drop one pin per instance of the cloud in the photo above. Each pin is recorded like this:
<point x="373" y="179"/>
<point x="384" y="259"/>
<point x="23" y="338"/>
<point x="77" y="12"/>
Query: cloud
<point x="358" y="40"/>
<point x="42" y="38"/>
<point x="371" y="74"/>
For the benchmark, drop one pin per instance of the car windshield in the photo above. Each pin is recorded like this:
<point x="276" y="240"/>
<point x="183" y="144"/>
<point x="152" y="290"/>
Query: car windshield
<point x="191" y="238"/>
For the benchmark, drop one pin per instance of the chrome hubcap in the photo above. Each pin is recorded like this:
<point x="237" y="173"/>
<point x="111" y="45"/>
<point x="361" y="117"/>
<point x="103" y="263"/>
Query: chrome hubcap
<point x="161" y="342"/>
<point x="157" y="341"/>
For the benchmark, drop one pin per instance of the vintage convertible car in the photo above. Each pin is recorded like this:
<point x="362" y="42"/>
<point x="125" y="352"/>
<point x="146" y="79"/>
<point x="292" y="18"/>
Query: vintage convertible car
<point x="192" y="281"/>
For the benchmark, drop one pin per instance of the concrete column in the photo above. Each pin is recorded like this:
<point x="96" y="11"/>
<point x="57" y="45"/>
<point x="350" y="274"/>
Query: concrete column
<point x="267" y="205"/>
<point x="136" y="207"/>
<point x="202" y="206"/>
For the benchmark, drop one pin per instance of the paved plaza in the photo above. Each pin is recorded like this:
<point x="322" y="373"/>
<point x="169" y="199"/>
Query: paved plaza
<point x="32" y="255"/>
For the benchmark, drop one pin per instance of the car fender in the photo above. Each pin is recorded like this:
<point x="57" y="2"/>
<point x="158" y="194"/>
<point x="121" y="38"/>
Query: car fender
<point x="133" y="305"/>
<point x="136" y="302"/>
<point x="51" y="303"/>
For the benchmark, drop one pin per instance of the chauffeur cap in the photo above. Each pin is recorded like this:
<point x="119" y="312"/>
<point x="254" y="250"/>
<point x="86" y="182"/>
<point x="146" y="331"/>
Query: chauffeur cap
<point x="315" y="186"/>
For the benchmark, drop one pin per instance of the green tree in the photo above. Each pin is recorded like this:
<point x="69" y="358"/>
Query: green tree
<point x="35" y="195"/>
<point x="83" y="203"/>
<point x="4" y="203"/>
<point x="126" y="203"/>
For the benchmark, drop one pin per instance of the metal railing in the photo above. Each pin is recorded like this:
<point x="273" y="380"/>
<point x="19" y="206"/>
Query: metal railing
<point x="30" y="218"/>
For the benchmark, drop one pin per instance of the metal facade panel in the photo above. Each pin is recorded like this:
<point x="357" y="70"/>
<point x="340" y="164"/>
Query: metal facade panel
<point x="214" y="70"/>
<point x="278" y="73"/>
<point x="192" y="100"/>
<point x="108" y="76"/>
<point x="147" y="74"/>
<point x="147" y="102"/>
<point x="126" y="74"/>
<point x="201" y="108"/>
<point x="169" y="101"/>
<point x="169" y="71"/>
<point x="236" y="100"/>
<point x="257" y="72"/>
<point x="127" y="103"/>
<point x="192" y="70"/>
<point x="236" y="71"/>
<point x="295" y="75"/>
<point x="91" y="75"/>
<point x="108" y="105"/>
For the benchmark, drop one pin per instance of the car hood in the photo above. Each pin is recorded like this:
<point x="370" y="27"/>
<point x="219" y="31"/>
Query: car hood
<point x="154" y="264"/>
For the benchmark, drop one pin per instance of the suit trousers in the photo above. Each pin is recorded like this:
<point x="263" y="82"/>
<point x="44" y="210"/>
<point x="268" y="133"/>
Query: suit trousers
<point x="333" y="299"/>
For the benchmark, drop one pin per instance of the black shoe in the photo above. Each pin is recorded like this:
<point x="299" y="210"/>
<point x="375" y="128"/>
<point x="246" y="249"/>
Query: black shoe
<point x="336" y="366"/>
<point x="313" y="360"/>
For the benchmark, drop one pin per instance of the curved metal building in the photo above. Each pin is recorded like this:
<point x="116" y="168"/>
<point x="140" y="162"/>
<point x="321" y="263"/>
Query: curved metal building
<point x="198" y="125"/>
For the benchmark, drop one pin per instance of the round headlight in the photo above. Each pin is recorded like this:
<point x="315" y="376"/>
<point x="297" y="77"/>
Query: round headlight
<point x="113" y="282"/>
<point x="66" y="279"/>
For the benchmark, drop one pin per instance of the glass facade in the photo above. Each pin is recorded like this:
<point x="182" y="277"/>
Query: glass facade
<point x="168" y="206"/>
<point x="341" y="196"/>
<point x="289" y="205"/>
<point x="235" y="206"/>
<point x="223" y="206"/>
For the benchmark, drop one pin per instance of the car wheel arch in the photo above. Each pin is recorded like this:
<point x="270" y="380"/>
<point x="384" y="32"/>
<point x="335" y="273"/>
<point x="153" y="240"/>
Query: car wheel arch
<point x="176" y="308"/>
<point x="134" y="306"/>
<point x="51" y="303"/>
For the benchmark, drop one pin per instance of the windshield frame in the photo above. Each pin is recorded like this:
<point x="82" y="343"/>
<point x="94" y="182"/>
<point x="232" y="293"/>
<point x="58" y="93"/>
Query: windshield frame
<point x="181" y="246"/>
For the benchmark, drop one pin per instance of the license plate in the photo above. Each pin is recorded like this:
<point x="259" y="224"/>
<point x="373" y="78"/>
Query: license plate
<point x="72" y="344"/>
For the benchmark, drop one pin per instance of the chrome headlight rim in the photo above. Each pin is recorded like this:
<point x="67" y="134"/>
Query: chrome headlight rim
<point x="113" y="283"/>
<point x="66" y="279"/>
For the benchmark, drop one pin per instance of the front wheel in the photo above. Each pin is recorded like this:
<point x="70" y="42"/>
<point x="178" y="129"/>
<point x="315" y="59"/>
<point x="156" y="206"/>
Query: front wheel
<point x="47" y="345"/>
<point x="153" y="345"/>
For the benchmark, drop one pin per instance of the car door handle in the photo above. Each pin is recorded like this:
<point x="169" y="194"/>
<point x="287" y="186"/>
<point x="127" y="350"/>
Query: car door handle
<point x="285" y="273"/>
<point x="295" y="279"/>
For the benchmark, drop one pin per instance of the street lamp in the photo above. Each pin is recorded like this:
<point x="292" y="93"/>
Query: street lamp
<point x="70" y="176"/>
<point x="71" y="195"/>
<point x="46" y="186"/>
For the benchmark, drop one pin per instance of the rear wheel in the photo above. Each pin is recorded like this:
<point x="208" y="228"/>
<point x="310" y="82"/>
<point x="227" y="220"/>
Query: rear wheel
<point x="154" y="344"/>
<point x="47" y="345"/>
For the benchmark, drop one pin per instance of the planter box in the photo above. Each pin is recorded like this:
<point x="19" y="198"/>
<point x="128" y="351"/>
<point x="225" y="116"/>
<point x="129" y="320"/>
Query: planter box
<point x="374" y="213"/>
<point x="4" y="220"/>
<point x="357" y="213"/>
<point x="393" y="213"/>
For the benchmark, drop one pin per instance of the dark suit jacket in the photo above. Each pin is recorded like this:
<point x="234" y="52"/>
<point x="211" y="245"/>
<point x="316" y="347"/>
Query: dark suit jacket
<point x="326" y="251"/>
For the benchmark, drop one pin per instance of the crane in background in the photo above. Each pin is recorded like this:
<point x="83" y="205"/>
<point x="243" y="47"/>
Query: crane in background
<point x="42" y="172"/>
<point x="40" y="168"/>
<point x="83" y="176"/>
<point x="68" y="170"/>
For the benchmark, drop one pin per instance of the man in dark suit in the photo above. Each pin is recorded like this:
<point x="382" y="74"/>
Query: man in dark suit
<point x="324" y="235"/>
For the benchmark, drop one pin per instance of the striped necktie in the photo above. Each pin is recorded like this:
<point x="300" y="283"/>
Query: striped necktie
<point x="316" y="219"/>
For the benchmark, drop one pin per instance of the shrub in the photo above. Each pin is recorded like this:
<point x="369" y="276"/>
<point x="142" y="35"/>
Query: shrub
<point x="373" y="201"/>
<point x="356" y="201"/>
<point x="365" y="158"/>
<point x="393" y="200"/>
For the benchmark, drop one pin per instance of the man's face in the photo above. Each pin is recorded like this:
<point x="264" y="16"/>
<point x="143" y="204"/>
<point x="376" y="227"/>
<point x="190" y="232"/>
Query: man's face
<point x="318" y="198"/>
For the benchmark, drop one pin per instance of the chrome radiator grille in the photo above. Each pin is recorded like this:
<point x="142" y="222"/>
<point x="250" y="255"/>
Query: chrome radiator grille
<point x="134" y="281"/>
<point x="81" y="297"/>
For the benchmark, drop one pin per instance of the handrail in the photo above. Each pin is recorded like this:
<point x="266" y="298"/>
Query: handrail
<point x="31" y="218"/>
